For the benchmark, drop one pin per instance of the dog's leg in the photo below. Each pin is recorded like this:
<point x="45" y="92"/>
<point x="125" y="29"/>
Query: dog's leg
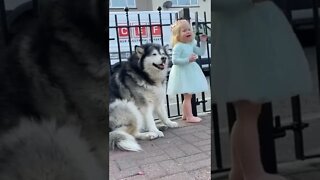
<point x="162" y="114"/>
<point x="146" y="135"/>
<point x="140" y="124"/>
<point x="147" y="113"/>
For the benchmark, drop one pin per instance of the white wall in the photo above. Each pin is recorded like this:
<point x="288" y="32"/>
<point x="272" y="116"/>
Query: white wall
<point x="204" y="6"/>
<point x="142" y="5"/>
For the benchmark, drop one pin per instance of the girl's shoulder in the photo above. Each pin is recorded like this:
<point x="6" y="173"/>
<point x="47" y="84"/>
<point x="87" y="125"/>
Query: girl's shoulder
<point x="181" y="44"/>
<point x="178" y="45"/>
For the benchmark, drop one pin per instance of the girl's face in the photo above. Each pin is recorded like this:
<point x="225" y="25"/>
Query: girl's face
<point x="185" y="33"/>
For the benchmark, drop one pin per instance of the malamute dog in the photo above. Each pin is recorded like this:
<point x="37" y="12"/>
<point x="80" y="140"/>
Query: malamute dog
<point x="53" y="95"/>
<point x="137" y="90"/>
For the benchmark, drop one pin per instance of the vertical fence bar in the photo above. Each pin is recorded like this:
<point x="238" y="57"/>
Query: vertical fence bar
<point x="194" y="105"/>
<point x="118" y="40"/>
<point x="297" y="132"/>
<point x="160" y="19"/>
<point x="110" y="66"/>
<point x="178" y="107"/>
<point x="4" y="23"/>
<point x="203" y="97"/>
<point x="140" y="34"/>
<point x="150" y="25"/>
<point x="208" y="49"/>
<point x="197" y="29"/>
<point x="128" y="28"/>
<point x="168" y="106"/>
<point x="182" y="99"/>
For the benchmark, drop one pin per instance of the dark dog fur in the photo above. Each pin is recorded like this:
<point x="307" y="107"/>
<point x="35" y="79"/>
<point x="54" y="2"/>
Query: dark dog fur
<point x="54" y="83"/>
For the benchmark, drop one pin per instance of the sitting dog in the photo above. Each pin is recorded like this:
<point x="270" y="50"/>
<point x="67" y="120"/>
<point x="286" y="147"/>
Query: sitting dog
<point x="137" y="90"/>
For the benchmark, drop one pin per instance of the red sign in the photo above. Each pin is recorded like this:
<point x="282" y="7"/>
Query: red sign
<point x="156" y="30"/>
<point x="143" y="31"/>
<point x="135" y="31"/>
<point x="123" y="32"/>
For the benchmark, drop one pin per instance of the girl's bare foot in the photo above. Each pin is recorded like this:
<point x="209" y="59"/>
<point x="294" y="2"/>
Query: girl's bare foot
<point x="193" y="119"/>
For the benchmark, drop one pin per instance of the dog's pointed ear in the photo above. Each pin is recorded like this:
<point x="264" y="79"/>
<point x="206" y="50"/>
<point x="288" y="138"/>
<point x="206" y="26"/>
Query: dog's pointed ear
<point x="139" y="50"/>
<point x="166" y="48"/>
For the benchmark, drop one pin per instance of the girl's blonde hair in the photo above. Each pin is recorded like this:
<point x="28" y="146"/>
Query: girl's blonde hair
<point x="176" y="29"/>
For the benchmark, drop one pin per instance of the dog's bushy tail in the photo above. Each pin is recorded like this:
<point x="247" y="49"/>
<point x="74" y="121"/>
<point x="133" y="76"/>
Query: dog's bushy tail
<point x="124" y="120"/>
<point x="123" y="141"/>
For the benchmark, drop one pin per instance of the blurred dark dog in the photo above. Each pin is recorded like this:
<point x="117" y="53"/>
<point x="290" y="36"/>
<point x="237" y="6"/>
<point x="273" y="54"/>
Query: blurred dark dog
<point x="53" y="95"/>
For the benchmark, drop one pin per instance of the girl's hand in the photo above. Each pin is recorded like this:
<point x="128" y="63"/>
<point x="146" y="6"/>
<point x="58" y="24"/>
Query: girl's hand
<point x="193" y="58"/>
<point x="203" y="38"/>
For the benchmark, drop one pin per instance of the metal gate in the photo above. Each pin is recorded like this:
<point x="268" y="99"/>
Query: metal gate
<point x="173" y="103"/>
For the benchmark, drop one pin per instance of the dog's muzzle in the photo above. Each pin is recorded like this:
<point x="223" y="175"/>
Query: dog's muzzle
<point x="162" y="65"/>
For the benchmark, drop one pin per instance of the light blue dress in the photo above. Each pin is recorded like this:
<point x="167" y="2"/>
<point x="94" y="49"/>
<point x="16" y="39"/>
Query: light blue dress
<point x="185" y="76"/>
<point x="256" y="55"/>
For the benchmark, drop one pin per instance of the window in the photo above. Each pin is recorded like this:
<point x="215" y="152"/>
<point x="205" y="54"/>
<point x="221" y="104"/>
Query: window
<point x="122" y="3"/>
<point x="184" y="2"/>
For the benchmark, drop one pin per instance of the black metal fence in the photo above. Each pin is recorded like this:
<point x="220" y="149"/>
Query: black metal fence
<point x="128" y="29"/>
<point x="270" y="128"/>
<point x="133" y="33"/>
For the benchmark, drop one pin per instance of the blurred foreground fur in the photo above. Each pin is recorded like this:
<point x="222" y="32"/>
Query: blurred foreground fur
<point x="53" y="96"/>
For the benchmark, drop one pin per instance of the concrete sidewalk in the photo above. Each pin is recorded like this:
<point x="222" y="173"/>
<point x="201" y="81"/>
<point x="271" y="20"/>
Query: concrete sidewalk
<point x="184" y="153"/>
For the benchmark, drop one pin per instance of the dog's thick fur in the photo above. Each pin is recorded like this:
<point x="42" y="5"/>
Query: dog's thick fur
<point x="137" y="90"/>
<point x="53" y="95"/>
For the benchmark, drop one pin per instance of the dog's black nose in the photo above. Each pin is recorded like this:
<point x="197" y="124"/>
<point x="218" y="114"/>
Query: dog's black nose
<point x="163" y="59"/>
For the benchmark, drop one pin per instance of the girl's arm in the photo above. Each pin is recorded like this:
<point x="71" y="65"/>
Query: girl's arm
<point x="199" y="50"/>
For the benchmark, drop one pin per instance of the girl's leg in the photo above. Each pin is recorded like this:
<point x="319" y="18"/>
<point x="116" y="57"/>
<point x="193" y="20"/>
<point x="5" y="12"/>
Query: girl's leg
<point x="187" y="109"/>
<point x="245" y="144"/>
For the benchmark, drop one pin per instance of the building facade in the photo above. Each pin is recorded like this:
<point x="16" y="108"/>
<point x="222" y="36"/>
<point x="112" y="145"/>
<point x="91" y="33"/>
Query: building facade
<point x="199" y="6"/>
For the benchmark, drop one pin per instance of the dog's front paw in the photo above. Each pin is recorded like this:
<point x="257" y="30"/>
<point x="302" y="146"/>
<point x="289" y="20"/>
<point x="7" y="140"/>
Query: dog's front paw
<point x="172" y="124"/>
<point x="162" y="127"/>
<point x="152" y="135"/>
<point x="159" y="133"/>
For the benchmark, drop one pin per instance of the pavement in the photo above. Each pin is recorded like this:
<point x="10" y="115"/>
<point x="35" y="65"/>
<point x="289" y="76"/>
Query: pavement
<point x="184" y="153"/>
